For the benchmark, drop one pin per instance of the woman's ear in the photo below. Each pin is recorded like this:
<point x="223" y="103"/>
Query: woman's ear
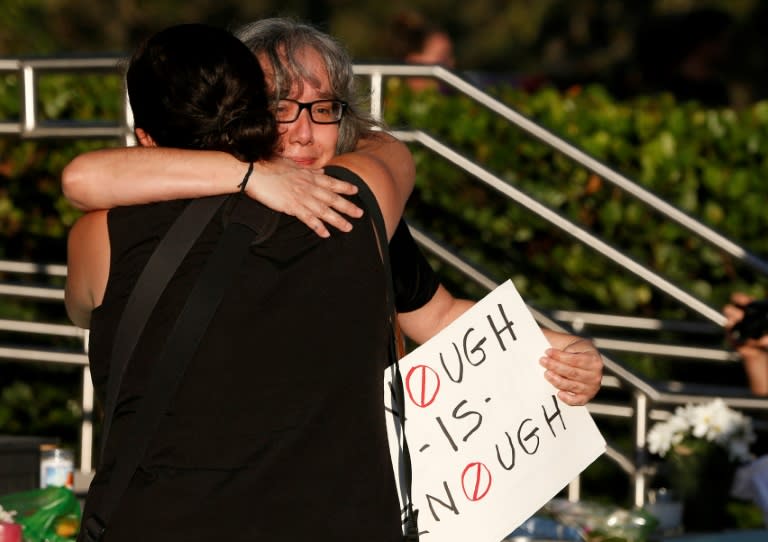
<point x="145" y="140"/>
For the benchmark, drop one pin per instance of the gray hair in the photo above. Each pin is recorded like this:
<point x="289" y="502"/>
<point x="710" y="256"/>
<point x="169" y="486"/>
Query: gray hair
<point x="279" y="40"/>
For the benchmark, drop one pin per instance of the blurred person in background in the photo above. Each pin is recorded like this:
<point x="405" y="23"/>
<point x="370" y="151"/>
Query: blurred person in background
<point x="414" y="40"/>
<point x="751" y="343"/>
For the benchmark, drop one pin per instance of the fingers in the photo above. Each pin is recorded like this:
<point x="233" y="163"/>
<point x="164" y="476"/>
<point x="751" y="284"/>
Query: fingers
<point x="732" y="315"/>
<point x="313" y="198"/>
<point x="343" y="205"/>
<point x="740" y="298"/>
<point x="318" y="208"/>
<point x="321" y="201"/>
<point x="334" y="185"/>
<point x="317" y="221"/>
<point x="573" y="399"/>
<point x="576" y="375"/>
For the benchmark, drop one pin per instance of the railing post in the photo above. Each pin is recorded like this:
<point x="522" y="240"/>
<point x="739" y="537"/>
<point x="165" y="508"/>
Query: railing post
<point x="574" y="490"/>
<point x="641" y="430"/>
<point x="86" y="428"/>
<point x="377" y="95"/>
<point x="29" y="110"/>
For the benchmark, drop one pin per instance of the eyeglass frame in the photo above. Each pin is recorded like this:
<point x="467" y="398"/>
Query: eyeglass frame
<point x="308" y="106"/>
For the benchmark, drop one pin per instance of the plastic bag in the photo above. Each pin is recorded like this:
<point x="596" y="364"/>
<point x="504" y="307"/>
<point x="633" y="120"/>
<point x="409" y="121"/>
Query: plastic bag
<point x="544" y="528"/>
<point x="602" y="523"/>
<point x="51" y="514"/>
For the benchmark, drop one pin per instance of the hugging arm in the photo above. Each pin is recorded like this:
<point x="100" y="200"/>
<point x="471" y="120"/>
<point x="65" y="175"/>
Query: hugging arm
<point x="573" y="364"/>
<point x="109" y="178"/>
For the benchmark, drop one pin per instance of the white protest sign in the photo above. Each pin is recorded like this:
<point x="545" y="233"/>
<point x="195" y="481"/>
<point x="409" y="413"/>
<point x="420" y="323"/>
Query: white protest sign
<point x="489" y="441"/>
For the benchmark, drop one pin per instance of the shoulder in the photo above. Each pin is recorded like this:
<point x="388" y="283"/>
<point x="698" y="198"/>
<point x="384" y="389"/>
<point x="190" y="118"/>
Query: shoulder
<point x="91" y="228"/>
<point x="386" y="166"/>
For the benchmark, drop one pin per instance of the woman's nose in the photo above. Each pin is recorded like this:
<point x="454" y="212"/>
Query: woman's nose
<point x="300" y="130"/>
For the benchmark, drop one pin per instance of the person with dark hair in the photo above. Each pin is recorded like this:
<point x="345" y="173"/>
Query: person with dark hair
<point x="286" y="50"/>
<point x="188" y="95"/>
<point x="685" y="54"/>
<point x="276" y="428"/>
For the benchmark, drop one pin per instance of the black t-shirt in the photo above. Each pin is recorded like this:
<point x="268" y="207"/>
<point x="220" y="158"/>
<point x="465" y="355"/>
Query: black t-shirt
<point x="413" y="278"/>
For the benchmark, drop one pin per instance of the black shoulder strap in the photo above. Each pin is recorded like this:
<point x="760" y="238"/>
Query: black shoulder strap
<point x="411" y="526"/>
<point x="151" y="283"/>
<point x="170" y="366"/>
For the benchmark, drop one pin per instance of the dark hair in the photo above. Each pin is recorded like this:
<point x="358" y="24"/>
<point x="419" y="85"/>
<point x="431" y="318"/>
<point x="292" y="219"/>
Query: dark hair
<point x="280" y="40"/>
<point x="193" y="86"/>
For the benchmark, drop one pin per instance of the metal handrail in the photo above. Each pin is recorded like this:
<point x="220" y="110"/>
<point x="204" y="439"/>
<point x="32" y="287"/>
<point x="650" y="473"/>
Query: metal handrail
<point x="30" y="125"/>
<point x="564" y="224"/>
<point x="644" y="393"/>
<point x="77" y="357"/>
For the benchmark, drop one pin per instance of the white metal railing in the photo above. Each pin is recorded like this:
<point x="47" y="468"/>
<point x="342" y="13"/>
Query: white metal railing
<point x="647" y="401"/>
<point x="75" y="357"/>
<point x="31" y="126"/>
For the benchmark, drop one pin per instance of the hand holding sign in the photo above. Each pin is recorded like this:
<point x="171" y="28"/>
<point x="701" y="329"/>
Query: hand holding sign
<point x="490" y="442"/>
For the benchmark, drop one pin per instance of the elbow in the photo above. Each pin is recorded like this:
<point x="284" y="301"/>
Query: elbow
<point x="78" y="314"/>
<point x="73" y="184"/>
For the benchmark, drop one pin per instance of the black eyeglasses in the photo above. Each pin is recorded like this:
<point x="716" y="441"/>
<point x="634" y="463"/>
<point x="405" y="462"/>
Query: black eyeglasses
<point x="320" y="111"/>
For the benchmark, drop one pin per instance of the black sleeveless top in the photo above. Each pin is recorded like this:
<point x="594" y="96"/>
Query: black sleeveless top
<point x="277" y="431"/>
<point x="413" y="279"/>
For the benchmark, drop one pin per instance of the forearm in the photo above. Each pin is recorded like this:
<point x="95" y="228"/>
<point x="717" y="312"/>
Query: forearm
<point x="127" y="176"/>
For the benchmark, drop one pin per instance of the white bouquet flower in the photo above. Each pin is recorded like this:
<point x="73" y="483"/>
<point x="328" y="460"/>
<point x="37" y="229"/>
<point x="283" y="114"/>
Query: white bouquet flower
<point x="6" y="516"/>
<point x="713" y="422"/>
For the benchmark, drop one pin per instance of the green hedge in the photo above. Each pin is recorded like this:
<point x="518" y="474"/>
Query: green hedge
<point x="34" y="216"/>
<point x="709" y="163"/>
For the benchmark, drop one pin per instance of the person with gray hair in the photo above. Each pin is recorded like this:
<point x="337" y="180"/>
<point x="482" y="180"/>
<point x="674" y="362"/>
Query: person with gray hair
<point x="278" y="42"/>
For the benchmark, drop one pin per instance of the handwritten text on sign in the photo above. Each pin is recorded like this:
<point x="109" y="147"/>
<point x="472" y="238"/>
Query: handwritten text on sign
<point x="490" y="443"/>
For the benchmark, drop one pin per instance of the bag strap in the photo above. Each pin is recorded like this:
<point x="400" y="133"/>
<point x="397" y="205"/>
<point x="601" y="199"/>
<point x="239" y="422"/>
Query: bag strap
<point x="151" y="283"/>
<point x="411" y="524"/>
<point x="168" y="370"/>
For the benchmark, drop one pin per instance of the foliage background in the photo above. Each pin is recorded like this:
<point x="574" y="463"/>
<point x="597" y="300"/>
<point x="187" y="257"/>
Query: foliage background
<point x="583" y="40"/>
